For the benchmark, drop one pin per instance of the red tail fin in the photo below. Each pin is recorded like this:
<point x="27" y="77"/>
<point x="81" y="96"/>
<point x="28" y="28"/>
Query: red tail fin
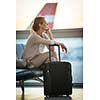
<point x="48" y="11"/>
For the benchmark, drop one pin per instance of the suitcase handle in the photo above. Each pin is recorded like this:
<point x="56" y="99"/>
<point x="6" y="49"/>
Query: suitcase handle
<point x="50" y="51"/>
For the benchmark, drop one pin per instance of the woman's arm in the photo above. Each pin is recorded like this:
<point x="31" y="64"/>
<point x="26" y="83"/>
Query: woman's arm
<point x="50" y="34"/>
<point x="39" y="40"/>
<point x="61" y="44"/>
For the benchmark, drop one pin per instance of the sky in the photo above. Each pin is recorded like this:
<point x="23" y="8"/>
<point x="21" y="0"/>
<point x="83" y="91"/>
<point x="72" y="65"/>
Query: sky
<point x="69" y="13"/>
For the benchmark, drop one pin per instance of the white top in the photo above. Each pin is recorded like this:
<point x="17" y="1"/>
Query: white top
<point x="35" y="45"/>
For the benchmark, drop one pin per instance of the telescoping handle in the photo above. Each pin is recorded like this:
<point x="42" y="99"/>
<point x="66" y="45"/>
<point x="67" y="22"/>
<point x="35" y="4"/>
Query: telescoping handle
<point x="50" y="51"/>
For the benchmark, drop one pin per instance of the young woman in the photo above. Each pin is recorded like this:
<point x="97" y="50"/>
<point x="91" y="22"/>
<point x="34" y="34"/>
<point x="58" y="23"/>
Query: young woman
<point x="37" y="40"/>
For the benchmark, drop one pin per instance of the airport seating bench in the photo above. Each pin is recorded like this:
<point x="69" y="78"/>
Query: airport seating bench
<point x="24" y="72"/>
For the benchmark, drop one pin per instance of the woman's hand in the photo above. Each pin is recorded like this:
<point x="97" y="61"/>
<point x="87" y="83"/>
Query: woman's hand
<point x="63" y="47"/>
<point x="50" y="34"/>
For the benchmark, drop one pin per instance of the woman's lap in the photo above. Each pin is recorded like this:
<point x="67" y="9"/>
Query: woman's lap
<point x="43" y="58"/>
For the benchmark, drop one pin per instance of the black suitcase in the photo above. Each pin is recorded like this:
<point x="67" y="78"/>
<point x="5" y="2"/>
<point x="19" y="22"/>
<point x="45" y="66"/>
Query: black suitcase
<point x="57" y="77"/>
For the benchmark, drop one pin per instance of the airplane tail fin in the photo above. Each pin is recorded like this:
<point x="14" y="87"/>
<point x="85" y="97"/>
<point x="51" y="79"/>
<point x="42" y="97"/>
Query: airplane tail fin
<point x="48" y="11"/>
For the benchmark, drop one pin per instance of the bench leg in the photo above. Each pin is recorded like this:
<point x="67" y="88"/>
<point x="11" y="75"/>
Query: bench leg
<point x="21" y="82"/>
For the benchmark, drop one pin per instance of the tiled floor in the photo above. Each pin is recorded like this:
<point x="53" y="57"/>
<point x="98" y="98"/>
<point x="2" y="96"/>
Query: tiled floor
<point x="37" y="93"/>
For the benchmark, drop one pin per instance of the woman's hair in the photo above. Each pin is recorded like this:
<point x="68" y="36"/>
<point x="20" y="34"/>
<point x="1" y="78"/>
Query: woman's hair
<point x="37" y="21"/>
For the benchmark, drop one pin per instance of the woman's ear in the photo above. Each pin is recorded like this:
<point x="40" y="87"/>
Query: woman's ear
<point x="39" y="25"/>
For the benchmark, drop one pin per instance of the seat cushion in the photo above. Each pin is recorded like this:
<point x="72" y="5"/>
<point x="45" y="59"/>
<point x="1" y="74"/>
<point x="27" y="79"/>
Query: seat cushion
<point x="25" y="74"/>
<point x="19" y="50"/>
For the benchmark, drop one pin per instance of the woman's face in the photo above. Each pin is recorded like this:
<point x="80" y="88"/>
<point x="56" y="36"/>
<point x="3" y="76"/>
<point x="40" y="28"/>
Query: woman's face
<point x="44" y="26"/>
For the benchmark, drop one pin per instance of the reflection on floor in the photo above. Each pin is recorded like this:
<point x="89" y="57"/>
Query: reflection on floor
<point x="37" y="93"/>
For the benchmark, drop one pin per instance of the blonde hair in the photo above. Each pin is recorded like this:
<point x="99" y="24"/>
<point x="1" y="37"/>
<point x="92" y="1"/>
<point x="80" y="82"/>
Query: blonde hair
<point x="37" y="21"/>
